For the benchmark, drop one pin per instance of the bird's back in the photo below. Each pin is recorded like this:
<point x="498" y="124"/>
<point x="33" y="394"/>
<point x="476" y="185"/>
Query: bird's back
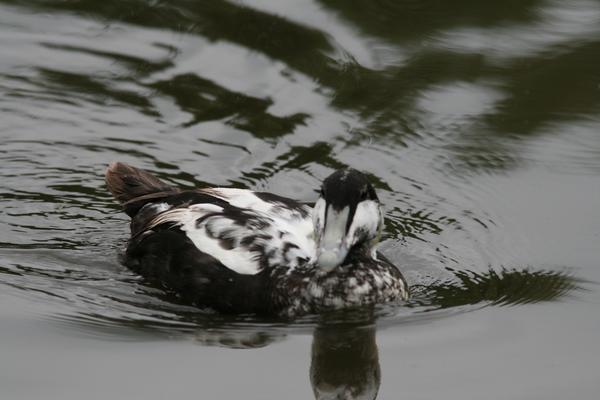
<point x="210" y="242"/>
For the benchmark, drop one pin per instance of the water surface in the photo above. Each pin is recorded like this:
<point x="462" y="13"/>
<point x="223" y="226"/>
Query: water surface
<point x="477" y="123"/>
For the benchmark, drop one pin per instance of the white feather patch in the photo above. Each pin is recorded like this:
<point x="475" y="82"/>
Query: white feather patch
<point x="286" y="237"/>
<point x="367" y="217"/>
<point x="247" y="199"/>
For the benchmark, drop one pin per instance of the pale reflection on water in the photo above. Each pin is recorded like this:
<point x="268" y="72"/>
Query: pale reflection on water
<point x="475" y="121"/>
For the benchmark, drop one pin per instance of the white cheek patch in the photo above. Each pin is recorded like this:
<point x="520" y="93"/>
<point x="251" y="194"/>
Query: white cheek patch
<point x="367" y="218"/>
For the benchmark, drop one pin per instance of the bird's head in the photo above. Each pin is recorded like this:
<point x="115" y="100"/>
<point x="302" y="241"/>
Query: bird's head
<point x="346" y="216"/>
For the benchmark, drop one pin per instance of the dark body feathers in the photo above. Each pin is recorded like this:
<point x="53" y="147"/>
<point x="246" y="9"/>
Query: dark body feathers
<point x="168" y="258"/>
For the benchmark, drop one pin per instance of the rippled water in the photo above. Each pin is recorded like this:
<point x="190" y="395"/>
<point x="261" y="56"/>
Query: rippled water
<point x="478" y="123"/>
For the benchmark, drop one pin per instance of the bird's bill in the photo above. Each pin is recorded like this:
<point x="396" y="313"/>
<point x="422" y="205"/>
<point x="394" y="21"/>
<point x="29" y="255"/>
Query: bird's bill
<point x="332" y="248"/>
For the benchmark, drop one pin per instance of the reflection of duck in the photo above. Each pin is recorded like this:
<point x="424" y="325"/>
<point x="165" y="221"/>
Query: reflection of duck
<point x="344" y="356"/>
<point x="240" y="251"/>
<point x="345" y="363"/>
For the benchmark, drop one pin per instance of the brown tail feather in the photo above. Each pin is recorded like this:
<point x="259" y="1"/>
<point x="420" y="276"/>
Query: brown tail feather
<point x="128" y="183"/>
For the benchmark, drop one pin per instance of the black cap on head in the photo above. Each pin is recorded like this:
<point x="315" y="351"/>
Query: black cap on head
<point x="347" y="187"/>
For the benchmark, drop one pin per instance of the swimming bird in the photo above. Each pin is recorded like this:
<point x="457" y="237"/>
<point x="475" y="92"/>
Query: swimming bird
<point x="243" y="251"/>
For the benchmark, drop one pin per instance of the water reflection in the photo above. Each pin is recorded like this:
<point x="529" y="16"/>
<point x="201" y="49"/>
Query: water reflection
<point x="344" y="354"/>
<point x="435" y="100"/>
<point x="382" y="103"/>
<point x="345" y="362"/>
<point x="207" y="101"/>
<point x="504" y="287"/>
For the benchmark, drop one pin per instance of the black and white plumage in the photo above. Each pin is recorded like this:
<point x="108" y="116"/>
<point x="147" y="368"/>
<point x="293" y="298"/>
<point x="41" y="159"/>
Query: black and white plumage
<point x="240" y="251"/>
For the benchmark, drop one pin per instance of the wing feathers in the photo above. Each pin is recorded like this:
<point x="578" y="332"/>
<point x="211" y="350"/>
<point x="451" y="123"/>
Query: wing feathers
<point x="244" y="240"/>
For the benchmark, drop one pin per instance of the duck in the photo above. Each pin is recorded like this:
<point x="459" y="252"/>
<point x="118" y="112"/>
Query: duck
<point x="239" y="251"/>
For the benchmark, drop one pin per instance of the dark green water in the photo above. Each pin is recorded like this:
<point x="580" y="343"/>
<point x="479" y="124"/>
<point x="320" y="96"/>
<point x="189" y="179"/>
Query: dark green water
<point x="478" y="122"/>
